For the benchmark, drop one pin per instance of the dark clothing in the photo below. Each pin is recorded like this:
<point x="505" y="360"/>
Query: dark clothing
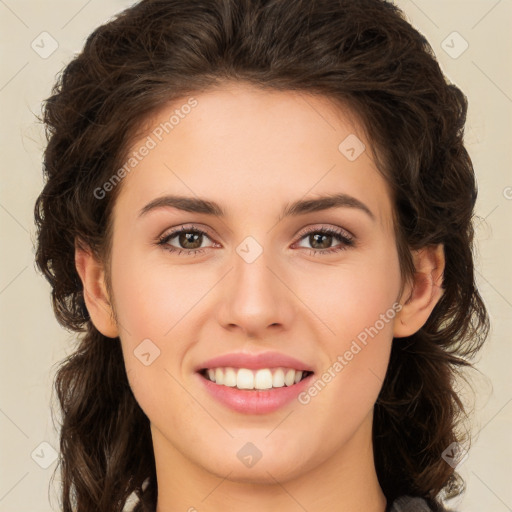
<point x="409" y="504"/>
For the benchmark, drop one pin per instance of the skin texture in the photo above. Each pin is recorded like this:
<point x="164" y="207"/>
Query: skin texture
<point x="279" y="147"/>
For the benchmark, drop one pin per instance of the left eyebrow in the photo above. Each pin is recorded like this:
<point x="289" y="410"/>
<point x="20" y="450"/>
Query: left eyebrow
<point x="327" y="202"/>
<point x="300" y="207"/>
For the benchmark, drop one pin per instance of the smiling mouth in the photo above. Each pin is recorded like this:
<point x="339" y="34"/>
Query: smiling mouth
<point x="255" y="380"/>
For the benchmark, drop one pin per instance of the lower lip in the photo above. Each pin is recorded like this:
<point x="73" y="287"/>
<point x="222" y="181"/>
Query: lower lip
<point x="253" y="401"/>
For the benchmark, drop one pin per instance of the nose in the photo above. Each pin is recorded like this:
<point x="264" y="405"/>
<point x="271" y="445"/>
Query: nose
<point x="256" y="297"/>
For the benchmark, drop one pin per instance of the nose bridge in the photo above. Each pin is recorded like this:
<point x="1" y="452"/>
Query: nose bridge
<point x="256" y="297"/>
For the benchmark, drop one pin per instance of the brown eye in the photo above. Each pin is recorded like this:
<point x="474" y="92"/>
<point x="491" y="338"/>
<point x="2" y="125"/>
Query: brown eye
<point x="188" y="240"/>
<point x="321" y="240"/>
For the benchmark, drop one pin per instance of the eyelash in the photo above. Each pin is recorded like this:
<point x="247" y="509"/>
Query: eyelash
<point x="341" y="235"/>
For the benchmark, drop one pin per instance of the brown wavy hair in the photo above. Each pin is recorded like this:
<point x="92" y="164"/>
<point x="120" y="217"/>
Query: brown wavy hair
<point x="360" y="53"/>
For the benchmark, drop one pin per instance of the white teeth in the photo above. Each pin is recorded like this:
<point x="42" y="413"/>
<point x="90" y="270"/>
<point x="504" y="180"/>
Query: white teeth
<point x="289" y="377"/>
<point x="245" y="379"/>
<point x="264" y="378"/>
<point x="230" y="378"/>
<point x="278" y="378"/>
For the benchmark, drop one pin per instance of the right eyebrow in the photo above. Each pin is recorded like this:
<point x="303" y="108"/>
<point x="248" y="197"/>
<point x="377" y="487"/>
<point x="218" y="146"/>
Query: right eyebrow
<point x="187" y="204"/>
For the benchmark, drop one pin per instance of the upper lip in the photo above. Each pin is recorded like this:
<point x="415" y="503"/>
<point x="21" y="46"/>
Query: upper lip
<point x="255" y="361"/>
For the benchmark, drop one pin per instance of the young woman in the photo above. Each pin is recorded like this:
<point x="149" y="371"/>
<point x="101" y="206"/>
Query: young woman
<point x="258" y="213"/>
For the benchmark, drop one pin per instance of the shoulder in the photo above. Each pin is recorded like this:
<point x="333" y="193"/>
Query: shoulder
<point x="413" y="504"/>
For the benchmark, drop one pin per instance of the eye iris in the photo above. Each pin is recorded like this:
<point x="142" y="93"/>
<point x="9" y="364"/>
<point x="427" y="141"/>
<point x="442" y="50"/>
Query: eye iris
<point x="325" y="244"/>
<point x="189" y="237"/>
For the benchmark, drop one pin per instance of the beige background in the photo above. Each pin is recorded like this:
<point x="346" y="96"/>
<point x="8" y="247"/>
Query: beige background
<point x="32" y="342"/>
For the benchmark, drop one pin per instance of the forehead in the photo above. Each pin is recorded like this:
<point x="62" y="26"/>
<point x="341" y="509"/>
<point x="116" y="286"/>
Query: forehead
<point x="248" y="148"/>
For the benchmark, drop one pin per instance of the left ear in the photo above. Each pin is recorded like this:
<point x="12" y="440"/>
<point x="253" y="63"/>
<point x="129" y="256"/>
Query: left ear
<point x="422" y="293"/>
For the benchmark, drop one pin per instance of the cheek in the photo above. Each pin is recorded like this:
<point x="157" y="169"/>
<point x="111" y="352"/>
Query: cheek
<point x="359" y="308"/>
<point x="153" y="298"/>
<point x="155" y="305"/>
<point x="355" y="296"/>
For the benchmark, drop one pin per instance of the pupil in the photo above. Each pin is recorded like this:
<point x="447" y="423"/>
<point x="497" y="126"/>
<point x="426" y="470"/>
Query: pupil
<point x="186" y="238"/>
<point x="316" y="236"/>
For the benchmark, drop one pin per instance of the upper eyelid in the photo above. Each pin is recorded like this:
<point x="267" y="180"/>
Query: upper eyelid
<point x="185" y="228"/>
<point x="320" y="227"/>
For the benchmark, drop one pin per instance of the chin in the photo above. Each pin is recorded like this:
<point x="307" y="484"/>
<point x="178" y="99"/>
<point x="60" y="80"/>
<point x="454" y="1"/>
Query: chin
<point x="267" y="470"/>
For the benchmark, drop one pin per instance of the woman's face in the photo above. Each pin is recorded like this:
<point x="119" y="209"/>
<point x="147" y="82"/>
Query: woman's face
<point x="260" y="280"/>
